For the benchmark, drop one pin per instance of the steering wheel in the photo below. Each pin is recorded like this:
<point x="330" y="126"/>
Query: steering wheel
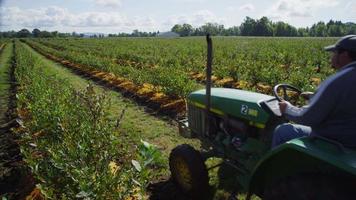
<point x="285" y="88"/>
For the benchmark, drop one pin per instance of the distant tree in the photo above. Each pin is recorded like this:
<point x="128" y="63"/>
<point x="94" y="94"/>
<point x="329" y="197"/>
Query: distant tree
<point x="63" y="34"/>
<point x="318" y="30"/>
<point x="335" y="30"/>
<point x="186" y="30"/>
<point x="235" y="30"/>
<point x="144" y="34"/>
<point x="302" y="32"/>
<point x="196" y="32"/>
<point x="135" y="33"/>
<point x="212" y="29"/>
<point x="8" y="34"/>
<point x="23" y="33"/>
<point x="74" y="34"/>
<point x="36" y="33"/>
<point x="247" y="27"/>
<point x="350" y="28"/>
<point x="293" y="32"/>
<point x="177" y="28"/>
<point x="183" y="30"/>
<point x="280" y="29"/>
<point x="54" y="33"/>
<point x="263" y="27"/>
<point x="45" y="34"/>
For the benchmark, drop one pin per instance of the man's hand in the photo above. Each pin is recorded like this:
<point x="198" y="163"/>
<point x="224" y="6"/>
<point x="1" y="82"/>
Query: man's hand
<point x="306" y="95"/>
<point x="283" y="106"/>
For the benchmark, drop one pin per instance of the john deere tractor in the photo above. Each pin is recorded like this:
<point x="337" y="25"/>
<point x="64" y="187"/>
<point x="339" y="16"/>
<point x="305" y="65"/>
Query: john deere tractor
<point x="237" y="126"/>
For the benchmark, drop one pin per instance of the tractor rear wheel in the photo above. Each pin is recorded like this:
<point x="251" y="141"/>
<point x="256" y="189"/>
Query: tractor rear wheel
<point x="189" y="171"/>
<point x="307" y="186"/>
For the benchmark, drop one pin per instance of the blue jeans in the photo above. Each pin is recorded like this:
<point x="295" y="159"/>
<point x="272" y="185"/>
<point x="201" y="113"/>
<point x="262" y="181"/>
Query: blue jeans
<point x="287" y="131"/>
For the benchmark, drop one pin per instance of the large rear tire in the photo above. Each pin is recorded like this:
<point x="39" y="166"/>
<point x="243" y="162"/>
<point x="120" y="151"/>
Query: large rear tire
<point x="314" y="186"/>
<point x="189" y="172"/>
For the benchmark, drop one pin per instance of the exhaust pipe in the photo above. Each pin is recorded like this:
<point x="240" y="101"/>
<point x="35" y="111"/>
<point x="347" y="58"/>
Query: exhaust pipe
<point x="208" y="83"/>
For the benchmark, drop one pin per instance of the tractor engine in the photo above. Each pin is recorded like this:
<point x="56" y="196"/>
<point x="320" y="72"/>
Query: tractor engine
<point x="233" y="126"/>
<point x="228" y="125"/>
<point x="235" y="115"/>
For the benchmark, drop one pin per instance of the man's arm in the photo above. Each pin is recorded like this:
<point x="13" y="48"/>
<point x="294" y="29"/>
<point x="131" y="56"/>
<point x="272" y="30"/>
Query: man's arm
<point x="309" y="116"/>
<point x="322" y="103"/>
<point x="313" y="114"/>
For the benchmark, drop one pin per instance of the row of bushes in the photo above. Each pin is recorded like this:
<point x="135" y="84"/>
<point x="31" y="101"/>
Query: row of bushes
<point x="68" y="139"/>
<point x="173" y="81"/>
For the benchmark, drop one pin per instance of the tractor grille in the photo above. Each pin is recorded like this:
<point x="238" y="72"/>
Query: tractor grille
<point x="196" y="119"/>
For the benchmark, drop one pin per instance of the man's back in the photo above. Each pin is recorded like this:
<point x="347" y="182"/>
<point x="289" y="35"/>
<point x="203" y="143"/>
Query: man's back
<point x="331" y="112"/>
<point x="339" y="123"/>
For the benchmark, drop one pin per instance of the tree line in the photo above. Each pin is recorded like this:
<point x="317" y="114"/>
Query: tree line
<point x="265" y="27"/>
<point x="36" y="33"/>
<point x="249" y="27"/>
<point x="23" y="33"/>
<point x="135" y="33"/>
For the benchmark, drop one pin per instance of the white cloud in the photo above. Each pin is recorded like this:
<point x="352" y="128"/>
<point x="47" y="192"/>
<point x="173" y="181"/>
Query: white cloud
<point x="192" y="1"/>
<point x="352" y="6"/>
<point x="197" y="18"/>
<point x="350" y="9"/>
<point x="108" y="3"/>
<point x="30" y="18"/>
<point x="287" y="9"/>
<point x="247" y="7"/>
<point x="57" y="18"/>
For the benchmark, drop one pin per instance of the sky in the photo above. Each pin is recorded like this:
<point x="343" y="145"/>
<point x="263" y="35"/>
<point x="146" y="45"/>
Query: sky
<point x="114" y="16"/>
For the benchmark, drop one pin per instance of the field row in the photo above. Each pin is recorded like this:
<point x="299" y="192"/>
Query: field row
<point x="71" y="140"/>
<point x="266" y="61"/>
<point x="2" y="45"/>
<point x="146" y="93"/>
<point x="171" y="82"/>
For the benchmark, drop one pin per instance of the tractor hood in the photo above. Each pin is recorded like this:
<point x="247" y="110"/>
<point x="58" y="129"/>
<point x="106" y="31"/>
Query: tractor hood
<point x="234" y="103"/>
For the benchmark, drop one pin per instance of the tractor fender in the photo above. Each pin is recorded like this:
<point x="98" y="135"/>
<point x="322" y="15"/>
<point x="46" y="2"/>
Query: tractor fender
<point x="307" y="154"/>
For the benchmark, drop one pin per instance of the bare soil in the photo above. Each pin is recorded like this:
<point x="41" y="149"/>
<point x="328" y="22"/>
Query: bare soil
<point x="165" y="189"/>
<point x="15" y="178"/>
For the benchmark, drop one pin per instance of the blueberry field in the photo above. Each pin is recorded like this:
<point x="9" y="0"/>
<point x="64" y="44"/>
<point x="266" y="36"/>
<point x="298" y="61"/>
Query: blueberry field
<point x="96" y="118"/>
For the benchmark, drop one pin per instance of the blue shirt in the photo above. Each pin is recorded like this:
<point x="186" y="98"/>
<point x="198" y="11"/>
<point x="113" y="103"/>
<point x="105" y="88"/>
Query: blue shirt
<point x="331" y="112"/>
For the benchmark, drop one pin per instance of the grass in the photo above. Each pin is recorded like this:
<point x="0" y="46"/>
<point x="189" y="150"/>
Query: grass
<point x="5" y="63"/>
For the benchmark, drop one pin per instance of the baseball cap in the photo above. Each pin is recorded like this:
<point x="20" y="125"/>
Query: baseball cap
<point x="347" y="42"/>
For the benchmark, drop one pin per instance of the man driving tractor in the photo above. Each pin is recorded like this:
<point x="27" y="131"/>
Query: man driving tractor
<point x="331" y="110"/>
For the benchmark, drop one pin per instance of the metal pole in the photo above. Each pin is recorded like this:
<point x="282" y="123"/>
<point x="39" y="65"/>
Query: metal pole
<point x="208" y="83"/>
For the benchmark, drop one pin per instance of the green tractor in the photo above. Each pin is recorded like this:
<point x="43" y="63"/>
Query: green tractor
<point x="237" y="126"/>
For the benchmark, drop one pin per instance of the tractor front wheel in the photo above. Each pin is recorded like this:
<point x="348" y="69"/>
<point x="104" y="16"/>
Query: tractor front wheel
<point x="189" y="171"/>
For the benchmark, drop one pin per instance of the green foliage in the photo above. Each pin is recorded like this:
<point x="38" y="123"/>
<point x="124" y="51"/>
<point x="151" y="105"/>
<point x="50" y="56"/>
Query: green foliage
<point x="183" y="30"/>
<point x="70" y="143"/>
<point x="166" y="63"/>
<point x="150" y="155"/>
<point x="173" y="82"/>
<point x="149" y="158"/>
<point x="265" y="27"/>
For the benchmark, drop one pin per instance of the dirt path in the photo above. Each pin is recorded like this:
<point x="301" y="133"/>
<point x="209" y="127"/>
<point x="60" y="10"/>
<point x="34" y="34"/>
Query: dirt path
<point x="4" y="79"/>
<point x="15" y="179"/>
